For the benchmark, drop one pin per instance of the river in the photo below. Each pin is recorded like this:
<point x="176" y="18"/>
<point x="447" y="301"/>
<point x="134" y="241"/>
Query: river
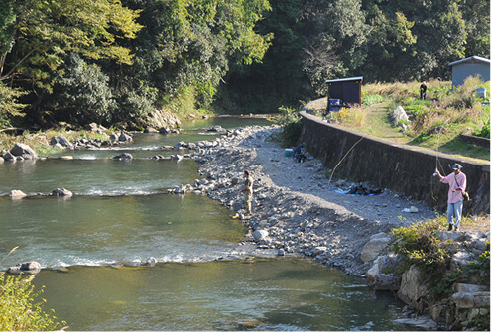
<point x="94" y="245"/>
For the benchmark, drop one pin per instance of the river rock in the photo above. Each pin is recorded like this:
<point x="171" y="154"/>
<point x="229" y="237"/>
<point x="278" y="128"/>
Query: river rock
<point x="9" y="157"/>
<point x="25" y="268"/>
<point x="318" y="251"/>
<point x="413" y="286"/>
<point x="95" y="128"/>
<point x="379" y="280"/>
<point x="217" y="129"/>
<point x="423" y="323"/>
<point x="375" y="246"/>
<point x="15" y="194"/>
<point x="124" y="137"/>
<point x="469" y="288"/>
<point x="62" y="141"/>
<point x="124" y="156"/>
<point x="151" y="261"/>
<point x="150" y="130"/>
<point x="177" y="158"/>
<point x="260" y="234"/>
<point x="481" y="300"/>
<point x="183" y="189"/>
<point x="1" y="160"/>
<point x="24" y="151"/>
<point x="165" y="130"/>
<point x="58" y="192"/>
<point x="463" y="300"/>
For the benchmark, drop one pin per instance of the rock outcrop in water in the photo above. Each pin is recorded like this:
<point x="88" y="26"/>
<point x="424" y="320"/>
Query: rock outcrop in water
<point x="30" y="268"/>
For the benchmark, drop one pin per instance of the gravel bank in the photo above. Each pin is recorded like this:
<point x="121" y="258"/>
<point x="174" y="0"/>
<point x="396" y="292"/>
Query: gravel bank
<point x="295" y="209"/>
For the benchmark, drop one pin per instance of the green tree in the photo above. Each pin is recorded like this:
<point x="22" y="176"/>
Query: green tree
<point x="83" y="93"/>
<point x="45" y="30"/>
<point x="279" y="79"/>
<point x="476" y="16"/>
<point x="10" y="108"/>
<point x="188" y="46"/>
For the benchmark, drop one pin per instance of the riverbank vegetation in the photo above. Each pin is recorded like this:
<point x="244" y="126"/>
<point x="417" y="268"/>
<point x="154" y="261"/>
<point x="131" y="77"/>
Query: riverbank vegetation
<point x="421" y="245"/>
<point x="20" y="309"/>
<point x="113" y="62"/>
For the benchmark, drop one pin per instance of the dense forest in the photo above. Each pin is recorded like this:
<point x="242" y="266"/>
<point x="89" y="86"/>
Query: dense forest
<point x="113" y="61"/>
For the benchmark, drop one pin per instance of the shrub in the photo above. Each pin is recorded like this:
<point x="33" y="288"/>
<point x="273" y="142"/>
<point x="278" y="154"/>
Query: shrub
<point x="485" y="130"/>
<point x="19" y="310"/>
<point x="417" y="244"/>
<point x="371" y="99"/>
<point x="292" y="125"/>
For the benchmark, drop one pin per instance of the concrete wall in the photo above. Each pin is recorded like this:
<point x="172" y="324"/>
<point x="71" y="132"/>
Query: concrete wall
<point x="465" y="69"/>
<point x="401" y="169"/>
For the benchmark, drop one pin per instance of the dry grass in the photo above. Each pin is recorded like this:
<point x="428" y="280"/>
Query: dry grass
<point x="479" y="223"/>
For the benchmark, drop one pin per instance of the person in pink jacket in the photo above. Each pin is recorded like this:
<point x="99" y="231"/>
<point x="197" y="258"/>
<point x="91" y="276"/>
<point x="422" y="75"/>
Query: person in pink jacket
<point x="457" y="182"/>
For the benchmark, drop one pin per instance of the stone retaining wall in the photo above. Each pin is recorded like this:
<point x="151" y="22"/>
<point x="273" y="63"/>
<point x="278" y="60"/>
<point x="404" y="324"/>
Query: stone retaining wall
<point x="478" y="141"/>
<point x="402" y="169"/>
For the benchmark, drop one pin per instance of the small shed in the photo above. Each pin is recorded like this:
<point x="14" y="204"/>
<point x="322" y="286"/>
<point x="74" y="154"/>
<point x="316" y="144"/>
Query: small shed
<point x="348" y="90"/>
<point x="471" y="66"/>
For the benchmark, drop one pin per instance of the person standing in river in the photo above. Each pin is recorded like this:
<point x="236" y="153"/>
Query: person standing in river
<point x="247" y="191"/>
<point x="457" y="182"/>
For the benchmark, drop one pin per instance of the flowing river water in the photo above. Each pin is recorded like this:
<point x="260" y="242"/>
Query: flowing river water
<point x="93" y="247"/>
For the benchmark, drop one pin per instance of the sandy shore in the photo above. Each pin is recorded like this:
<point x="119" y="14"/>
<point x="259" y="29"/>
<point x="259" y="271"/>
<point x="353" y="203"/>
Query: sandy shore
<point x="295" y="208"/>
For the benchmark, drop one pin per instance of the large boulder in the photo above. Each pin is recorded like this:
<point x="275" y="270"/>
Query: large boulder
<point x="24" y="151"/>
<point x="377" y="275"/>
<point x="124" y="156"/>
<point x="413" y="286"/>
<point x="16" y="194"/>
<point x="9" y="157"/>
<point x="62" y="192"/>
<point x="124" y="137"/>
<point x="25" y="268"/>
<point x="375" y="246"/>
<point x="399" y="114"/>
<point x="158" y="119"/>
<point x="62" y="141"/>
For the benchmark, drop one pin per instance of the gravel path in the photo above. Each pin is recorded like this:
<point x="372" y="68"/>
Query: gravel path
<point x="295" y="208"/>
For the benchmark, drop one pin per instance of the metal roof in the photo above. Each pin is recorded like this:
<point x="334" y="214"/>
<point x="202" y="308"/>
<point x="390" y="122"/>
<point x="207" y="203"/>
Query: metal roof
<point x="359" y="78"/>
<point x="478" y="58"/>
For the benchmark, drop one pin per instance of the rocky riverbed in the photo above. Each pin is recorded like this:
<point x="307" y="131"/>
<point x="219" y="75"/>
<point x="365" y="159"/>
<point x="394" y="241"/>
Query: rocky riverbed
<point x="296" y="209"/>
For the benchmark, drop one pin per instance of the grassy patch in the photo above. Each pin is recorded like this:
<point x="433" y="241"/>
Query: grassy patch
<point x="435" y="124"/>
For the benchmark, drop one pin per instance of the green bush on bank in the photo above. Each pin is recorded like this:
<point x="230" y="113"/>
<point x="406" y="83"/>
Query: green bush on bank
<point x="19" y="309"/>
<point x="292" y="125"/>
<point x="418" y="245"/>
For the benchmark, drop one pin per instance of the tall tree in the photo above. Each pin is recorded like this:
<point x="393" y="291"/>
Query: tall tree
<point x="187" y="46"/>
<point x="45" y="30"/>
<point x="279" y="79"/>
